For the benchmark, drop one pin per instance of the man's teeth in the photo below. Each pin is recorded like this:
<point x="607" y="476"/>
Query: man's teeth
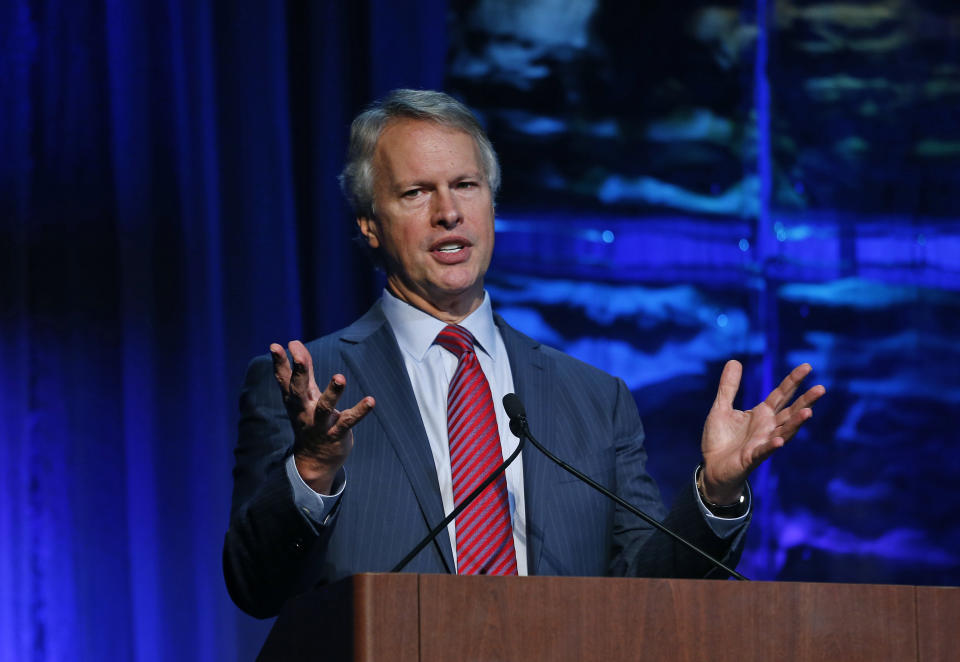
<point x="450" y="249"/>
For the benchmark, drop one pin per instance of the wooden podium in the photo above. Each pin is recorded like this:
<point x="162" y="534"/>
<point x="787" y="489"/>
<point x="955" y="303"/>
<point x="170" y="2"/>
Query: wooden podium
<point x="432" y="618"/>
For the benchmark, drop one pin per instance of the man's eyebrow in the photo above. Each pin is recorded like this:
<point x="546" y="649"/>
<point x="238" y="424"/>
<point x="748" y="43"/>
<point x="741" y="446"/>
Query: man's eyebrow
<point x="470" y="175"/>
<point x="414" y="183"/>
<point x="427" y="183"/>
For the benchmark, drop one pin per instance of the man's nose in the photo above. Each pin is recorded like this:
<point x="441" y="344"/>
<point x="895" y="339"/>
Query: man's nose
<point x="447" y="211"/>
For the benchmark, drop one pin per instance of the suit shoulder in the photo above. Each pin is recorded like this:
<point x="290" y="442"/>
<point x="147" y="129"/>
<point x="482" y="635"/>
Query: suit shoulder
<point x="325" y="344"/>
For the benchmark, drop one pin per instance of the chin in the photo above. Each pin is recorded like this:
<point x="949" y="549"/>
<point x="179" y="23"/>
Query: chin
<point x="460" y="282"/>
<point x="455" y="289"/>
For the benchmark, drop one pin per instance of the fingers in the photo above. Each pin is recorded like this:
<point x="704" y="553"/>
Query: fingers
<point x="790" y="419"/>
<point x="812" y="395"/>
<point x="350" y="417"/>
<point x="281" y="368"/>
<point x="780" y="396"/>
<point x="302" y="383"/>
<point x="327" y="403"/>
<point x="804" y="402"/>
<point x="729" y="384"/>
<point x="792" y="424"/>
<point x="296" y="380"/>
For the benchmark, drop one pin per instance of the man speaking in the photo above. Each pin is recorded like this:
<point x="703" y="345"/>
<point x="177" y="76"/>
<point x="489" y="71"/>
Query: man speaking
<point x="349" y="476"/>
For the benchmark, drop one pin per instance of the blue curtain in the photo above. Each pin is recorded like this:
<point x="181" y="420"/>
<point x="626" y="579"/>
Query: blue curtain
<point x="169" y="208"/>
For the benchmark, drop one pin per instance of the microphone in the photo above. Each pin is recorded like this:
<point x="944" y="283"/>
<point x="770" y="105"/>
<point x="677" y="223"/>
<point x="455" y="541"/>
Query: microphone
<point x="519" y="427"/>
<point x="463" y="504"/>
<point x="517" y="414"/>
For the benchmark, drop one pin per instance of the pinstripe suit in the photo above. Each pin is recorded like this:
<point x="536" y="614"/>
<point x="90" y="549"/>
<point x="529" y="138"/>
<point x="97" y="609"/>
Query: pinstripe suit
<point x="585" y="416"/>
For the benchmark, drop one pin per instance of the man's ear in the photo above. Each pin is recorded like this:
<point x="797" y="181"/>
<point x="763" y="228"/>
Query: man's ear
<point x="369" y="230"/>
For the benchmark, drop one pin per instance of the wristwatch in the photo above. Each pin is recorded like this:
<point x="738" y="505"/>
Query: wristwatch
<point x="730" y="510"/>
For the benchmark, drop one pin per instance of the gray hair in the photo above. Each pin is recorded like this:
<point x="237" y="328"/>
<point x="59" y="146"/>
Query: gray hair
<point x="356" y="180"/>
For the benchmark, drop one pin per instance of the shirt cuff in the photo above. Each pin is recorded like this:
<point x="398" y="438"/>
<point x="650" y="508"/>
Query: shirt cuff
<point x="316" y="507"/>
<point x="723" y="527"/>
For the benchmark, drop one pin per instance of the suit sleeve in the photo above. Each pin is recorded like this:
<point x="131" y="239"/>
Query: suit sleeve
<point x="639" y="550"/>
<point x="269" y="542"/>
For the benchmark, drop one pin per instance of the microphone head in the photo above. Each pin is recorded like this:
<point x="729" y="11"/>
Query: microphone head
<point x="516" y="412"/>
<point x="513" y="407"/>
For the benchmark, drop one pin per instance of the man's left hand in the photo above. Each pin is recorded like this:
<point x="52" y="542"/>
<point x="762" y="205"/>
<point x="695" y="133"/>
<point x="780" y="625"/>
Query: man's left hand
<point x="736" y="442"/>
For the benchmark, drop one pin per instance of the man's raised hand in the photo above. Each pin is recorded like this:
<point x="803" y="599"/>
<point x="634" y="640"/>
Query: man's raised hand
<point x="323" y="437"/>
<point x="736" y="442"/>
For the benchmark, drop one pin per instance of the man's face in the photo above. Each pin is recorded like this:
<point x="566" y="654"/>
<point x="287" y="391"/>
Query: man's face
<point x="433" y="217"/>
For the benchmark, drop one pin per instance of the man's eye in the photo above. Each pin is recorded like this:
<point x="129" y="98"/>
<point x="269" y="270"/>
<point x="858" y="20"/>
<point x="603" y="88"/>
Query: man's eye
<point x="412" y="193"/>
<point x="467" y="185"/>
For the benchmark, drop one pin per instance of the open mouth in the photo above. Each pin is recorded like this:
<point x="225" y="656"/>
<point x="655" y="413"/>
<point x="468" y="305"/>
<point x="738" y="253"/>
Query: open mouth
<point x="450" y="246"/>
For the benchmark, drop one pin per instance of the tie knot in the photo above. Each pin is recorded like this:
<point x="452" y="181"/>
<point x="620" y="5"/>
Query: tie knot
<point x="455" y="339"/>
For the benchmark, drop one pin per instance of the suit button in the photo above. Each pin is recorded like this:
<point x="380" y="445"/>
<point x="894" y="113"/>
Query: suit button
<point x="298" y="547"/>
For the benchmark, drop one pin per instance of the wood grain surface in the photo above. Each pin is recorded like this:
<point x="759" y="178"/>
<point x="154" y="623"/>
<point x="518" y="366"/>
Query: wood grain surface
<point x="621" y="619"/>
<point x="938" y="623"/>
<point x="386" y="618"/>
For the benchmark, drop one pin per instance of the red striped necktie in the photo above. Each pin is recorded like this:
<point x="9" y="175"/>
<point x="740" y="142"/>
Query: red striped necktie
<point x="484" y="533"/>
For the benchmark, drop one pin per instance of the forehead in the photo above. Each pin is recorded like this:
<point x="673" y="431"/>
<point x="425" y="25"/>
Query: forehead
<point x="410" y="148"/>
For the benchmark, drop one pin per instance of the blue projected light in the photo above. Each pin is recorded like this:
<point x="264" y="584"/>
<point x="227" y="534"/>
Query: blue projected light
<point x="770" y="232"/>
<point x="702" y="337"/>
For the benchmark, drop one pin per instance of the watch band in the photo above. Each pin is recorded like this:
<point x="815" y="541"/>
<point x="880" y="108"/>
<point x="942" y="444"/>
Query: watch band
<point x="729" y="510"/>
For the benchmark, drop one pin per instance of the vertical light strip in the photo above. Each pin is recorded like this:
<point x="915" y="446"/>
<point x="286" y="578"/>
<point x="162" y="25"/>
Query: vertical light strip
<point x="766" y="243"/>
<point x="765" y="249"/>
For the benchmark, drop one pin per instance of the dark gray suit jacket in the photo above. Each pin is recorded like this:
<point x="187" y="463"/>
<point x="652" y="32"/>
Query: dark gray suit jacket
<point x="392" y="498"/>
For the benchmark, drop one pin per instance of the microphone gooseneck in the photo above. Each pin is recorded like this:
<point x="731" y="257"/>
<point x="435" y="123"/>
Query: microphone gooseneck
<point x="518" y="425"/>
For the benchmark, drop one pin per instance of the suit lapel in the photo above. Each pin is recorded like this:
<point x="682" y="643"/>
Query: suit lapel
<point x="532" y="375"/>
<point x="372" y="353"/>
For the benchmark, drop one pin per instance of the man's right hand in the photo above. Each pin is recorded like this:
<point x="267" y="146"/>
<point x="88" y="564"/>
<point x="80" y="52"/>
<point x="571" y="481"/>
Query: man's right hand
<point x="322" y="434"/>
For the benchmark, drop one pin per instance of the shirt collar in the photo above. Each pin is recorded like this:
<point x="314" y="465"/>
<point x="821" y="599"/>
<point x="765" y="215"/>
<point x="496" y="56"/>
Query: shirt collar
<point x="416" y="330"/>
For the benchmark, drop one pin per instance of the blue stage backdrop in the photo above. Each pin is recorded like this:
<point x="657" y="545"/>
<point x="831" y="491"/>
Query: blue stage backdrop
<point x="683" y="183"/>
<point x="690" y="182"/>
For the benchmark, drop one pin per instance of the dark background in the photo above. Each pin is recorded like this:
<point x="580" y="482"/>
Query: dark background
<point x="683" y="183"/>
